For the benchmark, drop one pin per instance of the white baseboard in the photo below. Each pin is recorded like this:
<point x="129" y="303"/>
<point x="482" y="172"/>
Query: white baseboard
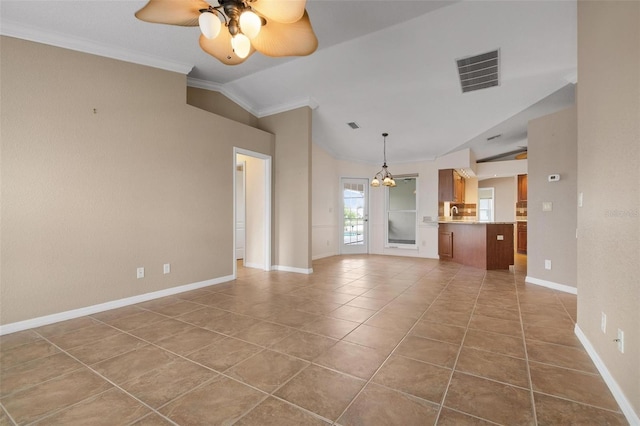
<point x="550" y="284"/>
<point x="621" y="399"/>
<point x="254" y="265"/>
<point x="323" y="255"/>
<point x="292" y="269"/>
<point x="88" y="310"/>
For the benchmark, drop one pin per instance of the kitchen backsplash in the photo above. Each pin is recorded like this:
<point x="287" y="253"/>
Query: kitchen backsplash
<point x="464" y="210"/>
<point x="521" y="210"/>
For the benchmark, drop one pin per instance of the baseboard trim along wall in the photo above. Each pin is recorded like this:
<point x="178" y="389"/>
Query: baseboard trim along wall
<point x="292" y="269"/>
<point x="88" y="310"/>
<point x="550" y="284"/>
<point x="621" y="399"/>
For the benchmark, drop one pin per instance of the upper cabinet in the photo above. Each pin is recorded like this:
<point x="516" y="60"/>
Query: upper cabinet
<point x="450" y="186"/>
<point x="522" y="188"/>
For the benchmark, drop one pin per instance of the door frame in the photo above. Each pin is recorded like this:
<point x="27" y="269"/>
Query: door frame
<point x="366" y="228"/>
<point x="267" y="206"/>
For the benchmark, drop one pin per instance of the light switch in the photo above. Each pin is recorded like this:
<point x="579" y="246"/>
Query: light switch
<point x="500" y="237"/>
<point x="547" y="206"/>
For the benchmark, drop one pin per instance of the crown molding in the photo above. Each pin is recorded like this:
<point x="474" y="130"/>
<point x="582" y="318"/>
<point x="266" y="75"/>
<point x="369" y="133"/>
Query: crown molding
<point x="249" y="106"/>
<point x="21" y="31"/>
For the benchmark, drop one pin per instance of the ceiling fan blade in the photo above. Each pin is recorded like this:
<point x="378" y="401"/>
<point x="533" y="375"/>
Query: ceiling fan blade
<point x="220" y="48"/>
<point x="285" y="11"/>
<point x="278" y="39"/>
<point x="172" y="12"/>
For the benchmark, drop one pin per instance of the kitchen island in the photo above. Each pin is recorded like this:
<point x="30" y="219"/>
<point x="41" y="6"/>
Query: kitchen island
<point x="484" y="245"/>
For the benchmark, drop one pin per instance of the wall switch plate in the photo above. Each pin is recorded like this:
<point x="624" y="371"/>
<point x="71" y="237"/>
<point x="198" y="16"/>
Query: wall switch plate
<point x="166" y="268"/>
<point x="580" y="199"/>
<point x="603" y="322"/>
<point x="547" y="264"/>
<point x="547" y="206"/>
<point x="620" y="341"/>
<point x="140" y="273"/>
<point x="500" y="237"/>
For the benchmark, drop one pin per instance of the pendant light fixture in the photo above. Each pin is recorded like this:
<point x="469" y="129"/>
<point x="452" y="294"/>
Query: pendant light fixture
<point x="383" y="177"/>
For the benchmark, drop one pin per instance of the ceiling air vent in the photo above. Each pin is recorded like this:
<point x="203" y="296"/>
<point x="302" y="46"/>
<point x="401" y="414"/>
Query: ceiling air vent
<point x="479" y="72"/>
<point x="353" y="125"/>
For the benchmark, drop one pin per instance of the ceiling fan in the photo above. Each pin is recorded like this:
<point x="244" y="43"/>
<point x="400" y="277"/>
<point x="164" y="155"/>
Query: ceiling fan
<point x="272" y="27"/>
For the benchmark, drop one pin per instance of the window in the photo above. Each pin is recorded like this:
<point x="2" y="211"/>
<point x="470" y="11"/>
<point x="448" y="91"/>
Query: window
<point x="485" y="204"/>
<point x="402" y="224"/>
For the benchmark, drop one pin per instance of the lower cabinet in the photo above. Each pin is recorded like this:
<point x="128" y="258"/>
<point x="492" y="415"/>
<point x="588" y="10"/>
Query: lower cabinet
<point x="445" y="244"/>
<point x="522" y="237"/>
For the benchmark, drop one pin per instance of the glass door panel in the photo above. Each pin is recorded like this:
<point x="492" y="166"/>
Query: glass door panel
<point x="355" y="218"/>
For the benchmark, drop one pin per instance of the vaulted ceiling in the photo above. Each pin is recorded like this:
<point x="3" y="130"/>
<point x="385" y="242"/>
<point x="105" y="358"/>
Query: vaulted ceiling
<point x="389" y="66"/>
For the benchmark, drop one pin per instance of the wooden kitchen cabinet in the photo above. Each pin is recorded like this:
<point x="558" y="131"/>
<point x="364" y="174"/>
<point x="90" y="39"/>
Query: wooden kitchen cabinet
<point x="445" y="244"/>
<point x="451" y="186"/>
<point x="522" y="237"/>
<point x="522" y="188"/>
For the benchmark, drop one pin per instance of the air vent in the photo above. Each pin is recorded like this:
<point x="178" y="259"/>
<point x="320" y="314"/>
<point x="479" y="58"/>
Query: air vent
<point x="479" y="72"/>
<point x="490" y="138"/>
<point x="353" y="125"/>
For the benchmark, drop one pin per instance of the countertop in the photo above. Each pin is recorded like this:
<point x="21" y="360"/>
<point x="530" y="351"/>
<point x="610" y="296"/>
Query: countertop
<point x="472" y="222"/>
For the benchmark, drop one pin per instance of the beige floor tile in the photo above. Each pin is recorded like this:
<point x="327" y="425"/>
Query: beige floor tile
<point x="29" y="374"/>
<point x="494" y="366"/>
<point x="180" y="307"/>
<point x="25" y="353"/>
<point x="406" y="310"/>
<point x="4" y="419"/>
<point x="356" y="360"/>
<point x="61" y="392"/>
<point x="130" y="365"/>
<point x="109" y="408"/>
<point x="153" y="419"/>
<point x="490" y="400"/>
<point x="68" y="326"/>
<point x="391" y="321"/>
<point x="131" y="322"/>
<point x="161" y="329"/>
<point x="83" y="336"/>
<point x="220" y="402"/>
<point x="331" y="327"/>
<point x="107" y="348"/>
<point x="224" y="353"/>
<point x="321" y="391"/>
<point x="293" y="318"/>
<point x="427" y="350"/>
<point x="417" y="378"/>
<point x="374" y="337"/>
<point x="496" y="325"/>
<point x="492" y="342"/>
<point x="437" y="331"/>
<point x="351" y="313"/>
<point x="560" y="356"/>
<point x="163" y="384"/>
<point x="304" y="345"/>
<point x="449" y="417"/>
<point x="557" y="335"/>
<point x="267" y="370"/>
<point x="191" y="340"/>
<point x="273" y="412"/>
<point x="264" y="333"/>
<point x="231" y="323"/>
<point x="205" y="317"/>
<point x="380" y="406"/>
<point x="367" y="303"/>
<point x="555" y="411"/>
<point x="570" y="384"/>
<point x="10" y="341"/>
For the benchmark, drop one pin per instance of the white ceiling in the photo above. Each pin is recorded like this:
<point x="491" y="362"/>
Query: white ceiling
<point x="387" y="65"/>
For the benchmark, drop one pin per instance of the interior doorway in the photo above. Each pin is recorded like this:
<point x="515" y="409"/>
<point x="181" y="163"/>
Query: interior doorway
<point x="354" y="222"/>
<point x="252" y="209"/>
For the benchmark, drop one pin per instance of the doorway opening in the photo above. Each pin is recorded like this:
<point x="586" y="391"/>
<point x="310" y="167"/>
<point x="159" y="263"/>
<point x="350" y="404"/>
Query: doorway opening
<point x="251" y="210"/>
<point x="355" y="217"/>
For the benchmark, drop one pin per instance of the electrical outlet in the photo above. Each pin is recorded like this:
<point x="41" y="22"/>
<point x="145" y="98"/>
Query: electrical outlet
<point x="547" y="206"/>
<point x="140" y="272"/>
<point x="547" y="264"/>
<point x="620" y="341"/>
<point x="603" y="322"/>
<point x="166" y="268"/>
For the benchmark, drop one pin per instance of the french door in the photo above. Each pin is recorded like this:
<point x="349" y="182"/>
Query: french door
<point x="355" y="216"/>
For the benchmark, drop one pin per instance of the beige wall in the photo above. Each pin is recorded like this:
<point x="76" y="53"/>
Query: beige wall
<point x="325" y="204"/>
<point x="608" y="102"/>
<point x="292" y="166"/>
<point x="553" y="150"/>
<point x="504" y="202"/>
<point x="87" y="197"/>
<point x="218" y="103"/>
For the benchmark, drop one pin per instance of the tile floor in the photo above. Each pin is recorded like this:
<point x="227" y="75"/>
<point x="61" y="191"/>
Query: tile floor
<point x="365" y="340"/>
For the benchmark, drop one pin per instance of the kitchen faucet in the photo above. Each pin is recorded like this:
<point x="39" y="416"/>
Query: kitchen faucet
<point x="452" y="210"/>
